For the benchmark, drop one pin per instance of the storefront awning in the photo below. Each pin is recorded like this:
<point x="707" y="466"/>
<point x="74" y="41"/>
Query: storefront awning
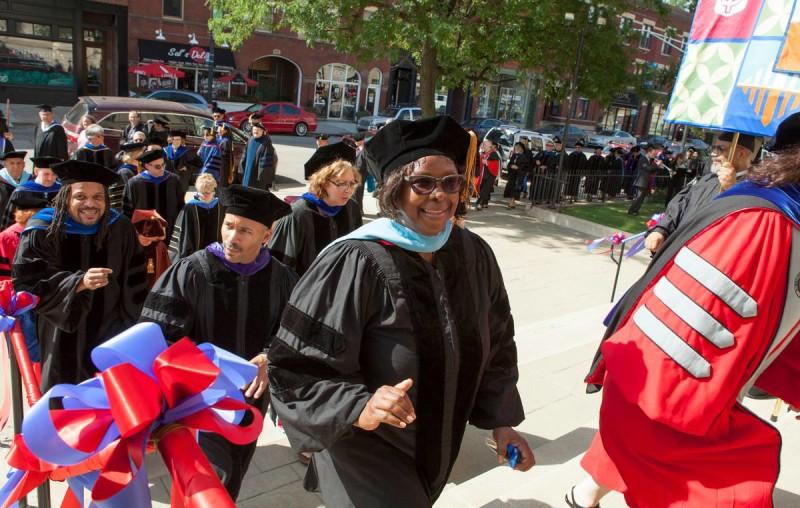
<point x="174" y="53"/>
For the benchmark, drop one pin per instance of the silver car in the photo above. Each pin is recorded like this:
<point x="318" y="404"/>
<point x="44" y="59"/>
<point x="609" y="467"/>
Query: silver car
<point x="604" y="138"/>
<point x="390" y="114"/>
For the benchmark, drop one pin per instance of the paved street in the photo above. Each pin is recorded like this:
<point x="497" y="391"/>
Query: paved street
<point x="559" y="294"/>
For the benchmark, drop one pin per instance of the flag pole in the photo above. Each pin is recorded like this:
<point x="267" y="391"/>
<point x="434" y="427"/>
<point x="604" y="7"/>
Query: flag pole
<point x="734" y="143"/>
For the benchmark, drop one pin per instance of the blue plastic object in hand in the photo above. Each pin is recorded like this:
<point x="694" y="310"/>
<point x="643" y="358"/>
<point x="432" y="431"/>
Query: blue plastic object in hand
<point x="512" y="454"/>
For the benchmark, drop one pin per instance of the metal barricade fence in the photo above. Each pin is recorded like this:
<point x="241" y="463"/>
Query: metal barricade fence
<point x="548" y="189"/>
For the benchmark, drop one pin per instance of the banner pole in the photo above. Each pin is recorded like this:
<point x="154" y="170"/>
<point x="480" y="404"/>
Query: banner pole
<point x="734" y="143"/>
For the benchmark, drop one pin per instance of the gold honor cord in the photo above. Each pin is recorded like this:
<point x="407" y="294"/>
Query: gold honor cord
<point x="469" y="167"/>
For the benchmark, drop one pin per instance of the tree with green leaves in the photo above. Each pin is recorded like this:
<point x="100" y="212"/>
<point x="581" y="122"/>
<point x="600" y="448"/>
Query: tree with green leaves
<point x="456" y="43"/>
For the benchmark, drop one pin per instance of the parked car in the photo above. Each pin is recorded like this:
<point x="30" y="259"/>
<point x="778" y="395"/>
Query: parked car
<point x="575" y="133"/>
<point x="655" y="139"/>
<point x="390" y="114"/>
<point x="481" y="126"/>
<point x="277" y="117"/>
<point x="508" y="135"/>
<point x="607" y="136"/>
<point x="112" y="114"/>
<point x="191" y="99"/>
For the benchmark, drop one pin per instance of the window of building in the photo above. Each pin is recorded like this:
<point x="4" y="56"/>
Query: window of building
<point x="372" y="103"/>
<point x="270" y="21"/>
<point x="3" y="25"/>
<point x="646" y="37"/>
<point x="625" y="25"/>
<point x="554" y="109"/>
<point x="338" y="88"/>
<point x="34" y="62"/>
<point x="666" y="46"/>
<point x="93" y="35"/>
<point x="65" y="33"/>
<point x="35" y="29"/>
<point x="684" y="42"/>
<point x="172" y="8"/>
<point x="581" y="109"/>
<point x="657" y="123"/>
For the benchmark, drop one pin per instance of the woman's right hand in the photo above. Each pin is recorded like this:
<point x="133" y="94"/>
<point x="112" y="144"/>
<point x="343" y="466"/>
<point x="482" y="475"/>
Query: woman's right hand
<point x="389" y="404"/>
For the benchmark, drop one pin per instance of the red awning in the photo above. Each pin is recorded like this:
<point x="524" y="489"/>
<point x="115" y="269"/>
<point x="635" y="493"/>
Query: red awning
<point x="156" y="70"/>
<point x="238" y="79"/>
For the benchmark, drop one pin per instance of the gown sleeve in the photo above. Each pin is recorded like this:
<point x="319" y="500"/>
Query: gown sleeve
<point x="497" y="402"/>
<point x="37" y="270"/>
<point x="285" y="241"/>
<point x="169" y="302"/>
<point x="315" y="377"/>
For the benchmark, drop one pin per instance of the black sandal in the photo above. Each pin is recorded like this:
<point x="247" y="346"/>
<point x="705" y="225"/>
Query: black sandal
<point x="570" y="500"/>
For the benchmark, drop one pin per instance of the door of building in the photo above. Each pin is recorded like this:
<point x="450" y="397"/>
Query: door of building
<point x="97" y="69"/>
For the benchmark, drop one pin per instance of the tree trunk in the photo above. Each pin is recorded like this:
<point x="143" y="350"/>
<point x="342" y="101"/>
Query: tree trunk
<point x="428" y="74"/>
<point x="458" y="103"/>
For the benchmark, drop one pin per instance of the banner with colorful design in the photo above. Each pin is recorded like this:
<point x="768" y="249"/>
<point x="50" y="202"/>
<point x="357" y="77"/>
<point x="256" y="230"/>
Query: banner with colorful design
<point x="741" y="68"/>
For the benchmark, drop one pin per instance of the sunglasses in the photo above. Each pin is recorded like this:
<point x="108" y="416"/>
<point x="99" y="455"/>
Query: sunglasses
<point x="424" y="185"/>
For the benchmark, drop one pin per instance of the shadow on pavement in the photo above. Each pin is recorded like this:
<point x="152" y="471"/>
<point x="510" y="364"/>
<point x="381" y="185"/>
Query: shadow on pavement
<point x="517" y="503"/>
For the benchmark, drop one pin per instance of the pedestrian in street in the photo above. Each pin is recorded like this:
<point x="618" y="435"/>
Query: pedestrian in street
<point x="218" y="115"/>
<point x="575" y="168"/>
<point x="595" y="171"/>
<point x="259" y="161"/>
<point x="519" y="164"/>
<point x="154" y="189"/>
<point x="23" y="207"/>
<point x="44" y="186"/>
<point x="209" y="154"/>
<point x="49" y="137"/>
<point x="399" y="334"/>
<point x="83" y="124"/>
<point x="227" y="170"/>
<point x="646" y="165"/>
<point x="723" y="176"/>
<point x="134" y="125"/>
<point x="199" y="223"/>
<point x="180" y="160"/>
<point x="231" y="294"/>
<point x="714" y="314"/>
<point x="487" y="172"/>
<point x="12" y="175"/>
<point x="95" y="149"/>
<point x="322" y="214"/>
<point x="82" y="260"/>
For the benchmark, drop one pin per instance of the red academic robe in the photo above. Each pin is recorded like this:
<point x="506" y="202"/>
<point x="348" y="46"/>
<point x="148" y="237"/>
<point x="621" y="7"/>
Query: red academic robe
<point x="717" y="316"/>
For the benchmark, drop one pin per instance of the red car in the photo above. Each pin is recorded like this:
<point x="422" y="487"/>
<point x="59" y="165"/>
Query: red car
<point x="277" y="117"/>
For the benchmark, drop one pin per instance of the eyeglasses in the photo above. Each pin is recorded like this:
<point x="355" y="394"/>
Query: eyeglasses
<point x="720" y="149"/>
<point x="345" y="185"/>
<point x="424" y="184"/>
<point x="156" y="166"/>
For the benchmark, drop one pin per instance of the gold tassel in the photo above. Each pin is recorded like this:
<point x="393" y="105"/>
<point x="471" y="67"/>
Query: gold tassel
<point x="469" y="168"/>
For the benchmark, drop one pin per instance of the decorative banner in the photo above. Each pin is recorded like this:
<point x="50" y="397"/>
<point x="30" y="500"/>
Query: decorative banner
<point x="737" y="72"/>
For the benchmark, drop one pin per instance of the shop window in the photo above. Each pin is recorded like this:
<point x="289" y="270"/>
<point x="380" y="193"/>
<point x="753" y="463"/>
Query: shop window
<point x="172" y="8"/>
<point x="93" y="35"/>
<point x="65" y="33"/>
<point x="35" y="62"/>
<point x="337" y="91"/>
<point x="3" y="25"/>
<point x="35" y="29"/>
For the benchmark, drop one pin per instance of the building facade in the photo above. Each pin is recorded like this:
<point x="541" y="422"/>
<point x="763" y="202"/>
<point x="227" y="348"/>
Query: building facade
<point x="516" y="99"/>
<point x="55" y="50"/>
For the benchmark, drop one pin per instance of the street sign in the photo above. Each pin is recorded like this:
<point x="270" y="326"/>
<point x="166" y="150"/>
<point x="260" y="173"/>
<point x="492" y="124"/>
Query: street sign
<point x="740" y="69"/>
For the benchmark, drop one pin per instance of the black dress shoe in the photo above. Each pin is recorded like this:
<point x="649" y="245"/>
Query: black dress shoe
<point x="570" y="500"/>
<point x="758" y="394"/>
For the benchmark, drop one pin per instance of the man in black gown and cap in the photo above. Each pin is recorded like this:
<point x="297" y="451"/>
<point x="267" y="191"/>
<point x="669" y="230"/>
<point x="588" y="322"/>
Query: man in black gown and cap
<point x="12" y="175"/>
<point x="232" y="294"/>
<point x="82" y="260"/>
<point x="154" y="188"/>
<point x="49" y="137"/>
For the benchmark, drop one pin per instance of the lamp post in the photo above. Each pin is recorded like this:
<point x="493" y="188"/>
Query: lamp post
<point x="573" y="90"/>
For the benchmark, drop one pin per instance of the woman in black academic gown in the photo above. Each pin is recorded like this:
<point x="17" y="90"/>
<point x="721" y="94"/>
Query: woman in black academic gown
<point x="324" y="213"/>
<point x="398" y="335"/>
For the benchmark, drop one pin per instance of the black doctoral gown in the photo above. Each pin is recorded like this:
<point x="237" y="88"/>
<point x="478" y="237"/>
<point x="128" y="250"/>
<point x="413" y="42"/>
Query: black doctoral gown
<point x="164" y="195"/>
<point x="575" y="167"/>
<point x="199" y="297"/>
<point x="99" y="155"/>
<point x="366" y="315"/>
<point x="6" y="189"/>
<point x="51" y="142"/>
<point x="300" y="236"/>
<point x="197" y="227"/>
<point x="71" y="324"/>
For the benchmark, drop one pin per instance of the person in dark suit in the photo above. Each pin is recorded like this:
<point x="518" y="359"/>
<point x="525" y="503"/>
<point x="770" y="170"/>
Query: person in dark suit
<point x="645" y="167"/>
<point x="134" y="125"/>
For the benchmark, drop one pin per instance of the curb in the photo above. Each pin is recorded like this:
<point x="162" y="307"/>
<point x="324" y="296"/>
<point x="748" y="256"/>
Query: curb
<point x="567" y="221"/>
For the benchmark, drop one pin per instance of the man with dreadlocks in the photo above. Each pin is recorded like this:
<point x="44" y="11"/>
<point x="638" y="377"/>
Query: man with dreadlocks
<point x="82" y="260"/>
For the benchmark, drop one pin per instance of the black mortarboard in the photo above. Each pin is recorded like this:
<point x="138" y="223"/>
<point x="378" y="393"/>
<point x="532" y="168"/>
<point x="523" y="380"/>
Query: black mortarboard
<point x="218" y="110"/>
<point x="328" y="154"/>
<point x="745" y="140"/>
<point x="788" y="134"/>
<point x="155" y="138"/>
<point x="403" y="141"/>
<point x="358" y="136"/>
<point x="150" y="156"/>
<point x="161" y="121"/>
<point x="322" y="136"/>
<point x="254" y="204"/>
<point x="25" y="200"/>
<point x="128" y="147"/>
<point x="259" y="125"/>
<point x="256" y="116"/>
<point x="73" y="171"/>
<point x="579" y="143"/>
<point x="180" y="134"/>
<point x="44" y="161"/>
<point x="556" y="139"/>
<point x="19" y="154"/>
<point x="45" y="107"/>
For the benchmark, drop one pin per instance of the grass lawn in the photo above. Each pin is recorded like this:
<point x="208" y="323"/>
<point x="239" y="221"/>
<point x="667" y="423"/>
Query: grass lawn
<point x="615" y="214"/>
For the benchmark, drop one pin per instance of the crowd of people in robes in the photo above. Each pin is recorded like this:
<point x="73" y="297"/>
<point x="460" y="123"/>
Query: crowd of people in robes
<point x="377" y="344"/>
